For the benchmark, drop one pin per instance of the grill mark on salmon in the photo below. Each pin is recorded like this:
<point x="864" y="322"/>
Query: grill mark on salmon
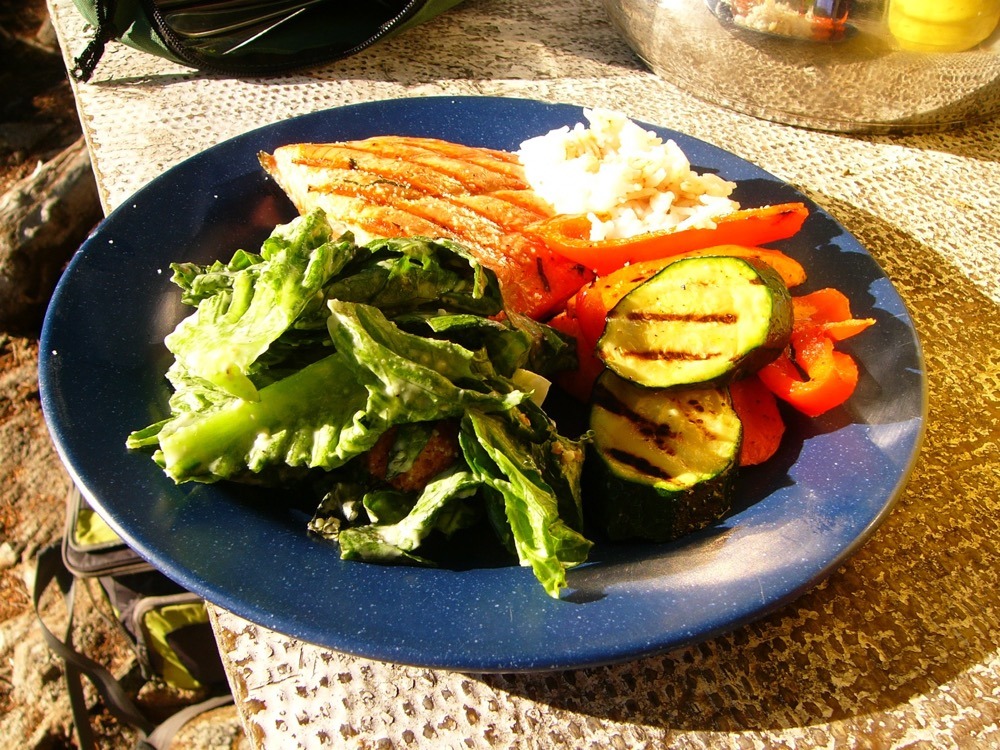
<point x="389" y="221"/>
<point x="500" y="210"/>
<point x="461" y="222"/>
<point x="526" y="199"/>
<point x="411" y="145"/>
<point x="430" y="170"/>
<point x="392" y="186"/>
<point x="378" y="190"/>
<point x="478" y="171"/>
<point x="499" y="162"/>
<point x="417" y="176"/>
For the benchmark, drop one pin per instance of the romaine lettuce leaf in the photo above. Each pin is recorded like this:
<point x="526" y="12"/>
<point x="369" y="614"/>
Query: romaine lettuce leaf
<point x="542" y="539"/>
<point x="414" y="273"/>
<point x="409" y="440"/>
<point x="411" y="378"/>
<point x="198" y="282"/>
<point x="305" y="420"/>
<point x="232" y="328"/>
<point x="333" y="410"/>
<point x="394" y="542"/>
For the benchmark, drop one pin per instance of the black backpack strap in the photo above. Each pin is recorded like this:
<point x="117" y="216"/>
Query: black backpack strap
<point x="50" y="567"/>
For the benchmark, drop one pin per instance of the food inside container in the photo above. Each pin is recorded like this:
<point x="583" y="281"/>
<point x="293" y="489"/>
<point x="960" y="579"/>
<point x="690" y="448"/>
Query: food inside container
<point x="816" y="20"/>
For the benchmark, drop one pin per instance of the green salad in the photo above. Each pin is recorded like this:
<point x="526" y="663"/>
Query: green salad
<point x="298" y="361"/>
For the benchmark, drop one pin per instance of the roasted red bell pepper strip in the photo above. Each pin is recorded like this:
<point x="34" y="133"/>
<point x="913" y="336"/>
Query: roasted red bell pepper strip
<point x="789" y="269"/>
<point x="579" y="382"/>
<point x="812" y="375"/>
<point x="569" y="235"/>
<point x="826" y="380"/>
<point x="763" y="426"/>
<point x="594" y="300"/>
<point x="831" y="310"/>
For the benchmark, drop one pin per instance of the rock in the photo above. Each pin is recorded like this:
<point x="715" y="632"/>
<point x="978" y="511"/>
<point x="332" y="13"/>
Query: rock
<point x="42" y="218"/>
<point x="46" y="38"/>
<point x="8" y="556"/>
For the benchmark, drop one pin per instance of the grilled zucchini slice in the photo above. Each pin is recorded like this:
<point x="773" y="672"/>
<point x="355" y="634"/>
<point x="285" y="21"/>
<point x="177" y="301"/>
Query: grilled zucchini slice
<point x="698" y="321"/>
<point x="665" y="458"/>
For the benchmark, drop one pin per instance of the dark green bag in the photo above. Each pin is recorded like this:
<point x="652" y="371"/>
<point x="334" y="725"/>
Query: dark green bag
<point x="218" y="36"/>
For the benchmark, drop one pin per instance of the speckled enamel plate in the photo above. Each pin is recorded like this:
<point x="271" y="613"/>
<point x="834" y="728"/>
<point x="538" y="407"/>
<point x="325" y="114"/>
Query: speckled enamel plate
<point x="797" y="517"/>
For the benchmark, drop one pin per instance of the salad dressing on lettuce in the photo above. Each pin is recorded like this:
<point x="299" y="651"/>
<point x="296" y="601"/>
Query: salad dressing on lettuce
<point x="296" y="361"/>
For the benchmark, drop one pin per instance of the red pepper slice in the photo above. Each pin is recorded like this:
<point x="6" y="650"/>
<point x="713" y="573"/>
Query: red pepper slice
<point x="827" y="378"/>
<point x="813" y="376"/>
<point x="579" y="382"/>
<point x="831" y="310"/>
<point x="822" y="305"/>
<point x="763" y="426"/>
<point x="569" y="235"/>
<point x="594" y="300"/>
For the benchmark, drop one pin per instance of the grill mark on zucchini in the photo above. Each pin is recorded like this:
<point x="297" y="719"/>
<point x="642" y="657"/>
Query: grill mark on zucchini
<point x="653" y="488"/>
<point x="641" y="465"/>
<point x="643" y="316"/>
<point x="670" y="355"/>
<point x="699" y="424"/>
<point x="659" y="433"/>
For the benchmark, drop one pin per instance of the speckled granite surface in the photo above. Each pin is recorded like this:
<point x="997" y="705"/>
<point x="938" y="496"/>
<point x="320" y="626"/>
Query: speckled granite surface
<point x="897" y="649"/>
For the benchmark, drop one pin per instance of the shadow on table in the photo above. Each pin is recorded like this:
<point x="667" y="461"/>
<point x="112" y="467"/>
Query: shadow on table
<point x="978" y="141"/>
<point x="913" y="610"/>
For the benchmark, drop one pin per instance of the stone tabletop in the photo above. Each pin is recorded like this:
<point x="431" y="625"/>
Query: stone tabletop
<point x="899" y="648"/>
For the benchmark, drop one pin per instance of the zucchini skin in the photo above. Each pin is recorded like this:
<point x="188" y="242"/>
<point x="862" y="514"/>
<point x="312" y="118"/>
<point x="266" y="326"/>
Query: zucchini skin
<point x="699" y="321"/>
<point x="626" y="511"/>
<point x="660" y="477"/>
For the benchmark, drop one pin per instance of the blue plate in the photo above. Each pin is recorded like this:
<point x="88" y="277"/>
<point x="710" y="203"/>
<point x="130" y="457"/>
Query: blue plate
<point x="798" y="517"/>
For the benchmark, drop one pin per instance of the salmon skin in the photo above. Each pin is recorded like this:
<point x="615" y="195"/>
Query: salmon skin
<point x="397" y="186"/>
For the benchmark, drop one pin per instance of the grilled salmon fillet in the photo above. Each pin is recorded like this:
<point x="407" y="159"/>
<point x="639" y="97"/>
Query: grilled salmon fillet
<point x="397" y="186"/>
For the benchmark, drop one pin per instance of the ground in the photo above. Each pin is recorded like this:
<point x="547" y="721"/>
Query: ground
<point x="38" y="121"/>
<point x="37" y="115"/>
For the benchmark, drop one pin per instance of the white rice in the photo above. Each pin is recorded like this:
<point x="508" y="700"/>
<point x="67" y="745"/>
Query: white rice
<point x="625" y="179"/>
<point x="777" y="18"/>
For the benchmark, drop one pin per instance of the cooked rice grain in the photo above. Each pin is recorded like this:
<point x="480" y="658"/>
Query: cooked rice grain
<point x="626" y="179"/>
